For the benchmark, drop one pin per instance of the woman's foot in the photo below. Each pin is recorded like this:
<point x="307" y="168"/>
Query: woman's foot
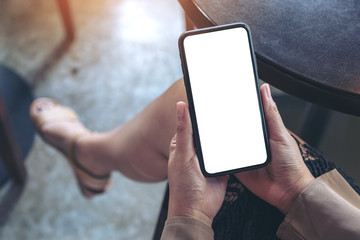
<point x="60" y="127"/>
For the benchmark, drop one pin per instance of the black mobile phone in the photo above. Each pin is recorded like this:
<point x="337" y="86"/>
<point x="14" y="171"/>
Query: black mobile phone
<point x="224" y="99"/>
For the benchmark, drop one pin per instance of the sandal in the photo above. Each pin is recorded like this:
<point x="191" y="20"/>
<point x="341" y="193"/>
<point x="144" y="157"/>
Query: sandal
<point x="95" y="184"/>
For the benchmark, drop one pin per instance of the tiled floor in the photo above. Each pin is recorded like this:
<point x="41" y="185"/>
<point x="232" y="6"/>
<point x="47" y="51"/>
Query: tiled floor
<point x="125" y="55"/>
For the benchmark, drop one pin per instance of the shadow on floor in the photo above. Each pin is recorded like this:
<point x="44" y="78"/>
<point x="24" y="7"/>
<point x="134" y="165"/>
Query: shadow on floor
<point x="51" y="60"/>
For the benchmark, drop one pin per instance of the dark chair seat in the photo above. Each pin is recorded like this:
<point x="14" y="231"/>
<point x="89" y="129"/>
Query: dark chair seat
<point x="309" y="49"/>
<point x="16" y="137"/>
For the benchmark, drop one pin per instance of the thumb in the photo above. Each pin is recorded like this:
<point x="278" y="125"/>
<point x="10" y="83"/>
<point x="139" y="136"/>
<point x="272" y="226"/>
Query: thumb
<point x="276" y="128"/>
<point x="184" y="137"/>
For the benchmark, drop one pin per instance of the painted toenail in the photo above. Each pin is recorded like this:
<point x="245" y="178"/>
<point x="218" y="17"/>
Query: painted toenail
<point x="39" y="108"/>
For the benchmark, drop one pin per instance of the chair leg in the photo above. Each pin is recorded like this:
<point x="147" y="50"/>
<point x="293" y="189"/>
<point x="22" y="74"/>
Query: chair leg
<point x="162" y="216"/>
<point x="67" y="19"/>
<point x="9" y="200"/>
<point x="9" y="149"/>
<point x="188" y="24"/>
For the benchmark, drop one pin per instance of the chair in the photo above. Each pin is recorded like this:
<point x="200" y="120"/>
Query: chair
<point x="308" y="49"/>
<point x="67" y="19"/>
<point x="16" y="138"/>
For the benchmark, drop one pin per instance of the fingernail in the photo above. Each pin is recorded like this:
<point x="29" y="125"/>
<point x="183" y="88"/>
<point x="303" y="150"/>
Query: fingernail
<point x="39" y="107"/>
<point x="180" y="110"/>
<point x="268" y="92"/>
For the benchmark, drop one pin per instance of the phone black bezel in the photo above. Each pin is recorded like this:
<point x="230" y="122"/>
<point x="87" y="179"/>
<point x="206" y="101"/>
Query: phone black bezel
<point x="187" y="83"/>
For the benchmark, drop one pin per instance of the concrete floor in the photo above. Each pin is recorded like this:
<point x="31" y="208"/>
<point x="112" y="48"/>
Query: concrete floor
<point x="125" y="55"/>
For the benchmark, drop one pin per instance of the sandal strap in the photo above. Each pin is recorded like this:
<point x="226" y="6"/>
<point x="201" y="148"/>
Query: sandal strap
<point x="73" y="159"/>
<point x="93" y="190"/>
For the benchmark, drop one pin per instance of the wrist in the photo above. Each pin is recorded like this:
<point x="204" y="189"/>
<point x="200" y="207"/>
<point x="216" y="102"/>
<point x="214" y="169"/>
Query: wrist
<point x="289" y="198"/>
<point x="178" y="210"/>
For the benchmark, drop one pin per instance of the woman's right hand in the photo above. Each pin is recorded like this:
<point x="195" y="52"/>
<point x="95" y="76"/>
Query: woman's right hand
<point x="286" y="176"/>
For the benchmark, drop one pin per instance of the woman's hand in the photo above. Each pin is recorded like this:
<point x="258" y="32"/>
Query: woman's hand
<point x="280" y="182"/>
<point x="191" y="194"/>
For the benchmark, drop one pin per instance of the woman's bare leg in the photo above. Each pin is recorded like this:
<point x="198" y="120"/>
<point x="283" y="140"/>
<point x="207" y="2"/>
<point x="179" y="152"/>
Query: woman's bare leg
<point x="138" y="149"/>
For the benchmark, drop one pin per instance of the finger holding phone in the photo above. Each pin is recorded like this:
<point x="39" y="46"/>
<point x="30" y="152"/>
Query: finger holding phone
<point x="191" y="194"/>
<point x="286" y="176"/>
<point x="194" y="196"/>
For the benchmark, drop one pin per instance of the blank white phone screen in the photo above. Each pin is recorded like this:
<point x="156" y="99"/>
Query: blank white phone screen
<point x="225" y="99"/>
